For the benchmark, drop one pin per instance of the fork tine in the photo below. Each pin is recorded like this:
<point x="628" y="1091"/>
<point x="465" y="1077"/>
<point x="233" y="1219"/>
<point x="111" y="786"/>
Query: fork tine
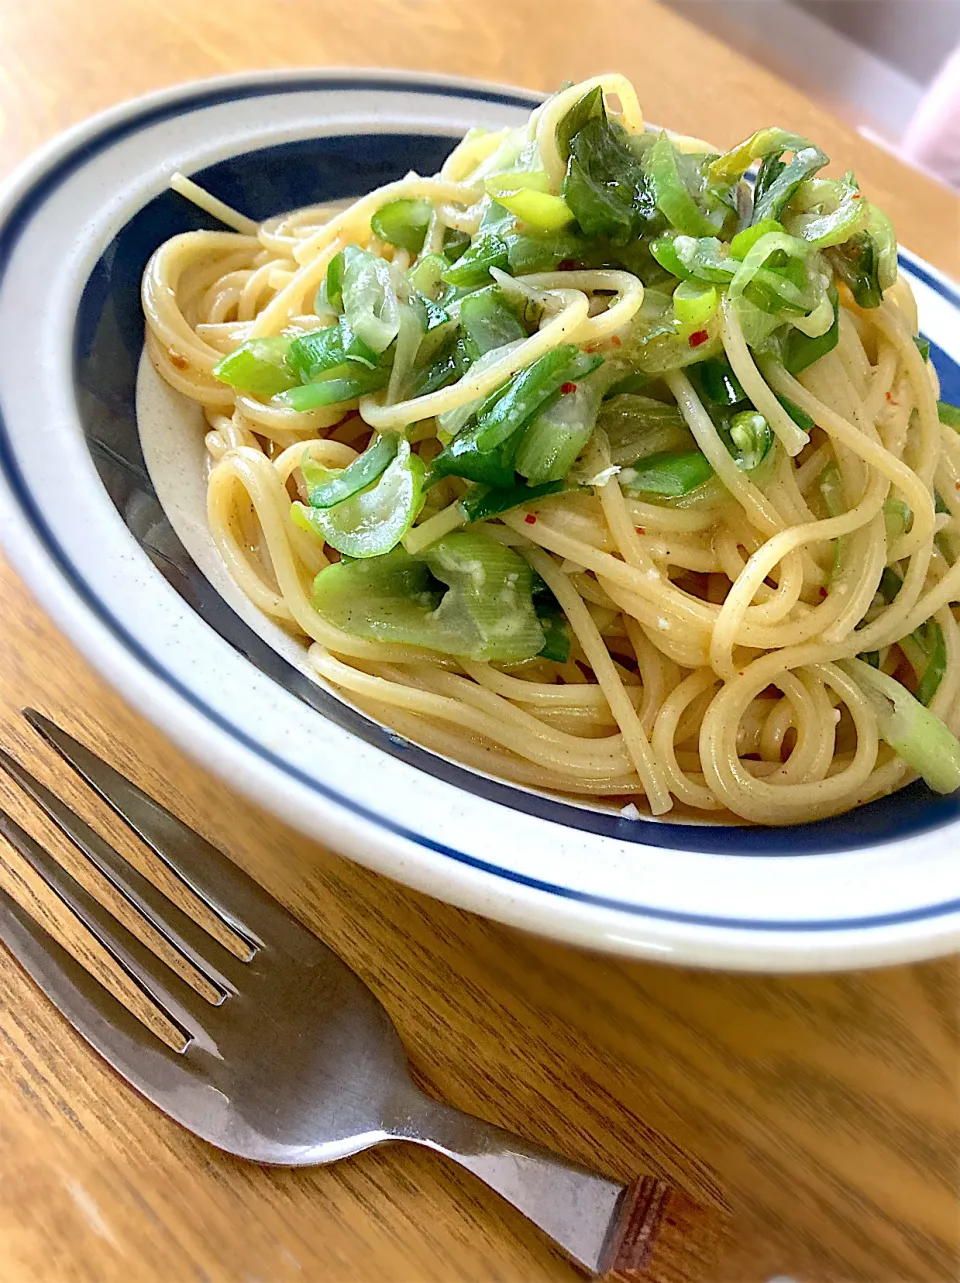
<point x="176" y="926"/>
<point x="180" y="1003"/>
<point x="94" y="1012"/>
<point x="236" y="898"/>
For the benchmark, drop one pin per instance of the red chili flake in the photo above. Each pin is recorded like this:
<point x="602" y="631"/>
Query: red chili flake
<point x="857" y="196"/>
<point x="640" y="530"/>
<point x="699" y="337"/>
<point x="958" y="485"/>
<point x="567" y="264"/>
<point x="890" y="400"/>
<point x="567" y="388"/>
<point x="530" y="519"/>
<point x="823" y="591"/>
<point x="178" y="361"/>
<point x="617" y="341"/>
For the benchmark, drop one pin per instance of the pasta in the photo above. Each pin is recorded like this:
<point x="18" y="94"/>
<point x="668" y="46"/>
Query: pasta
<point x="582" y="465"/>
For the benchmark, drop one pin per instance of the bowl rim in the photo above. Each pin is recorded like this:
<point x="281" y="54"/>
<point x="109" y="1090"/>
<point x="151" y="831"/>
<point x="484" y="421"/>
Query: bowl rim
<point x="570" y="919"/>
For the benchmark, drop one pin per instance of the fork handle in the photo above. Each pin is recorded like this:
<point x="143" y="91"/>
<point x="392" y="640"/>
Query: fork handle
<point x="602" y="1224"/>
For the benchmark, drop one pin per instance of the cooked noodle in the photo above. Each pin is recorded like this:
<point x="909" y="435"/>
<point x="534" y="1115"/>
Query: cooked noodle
<point x="706" y="631"/>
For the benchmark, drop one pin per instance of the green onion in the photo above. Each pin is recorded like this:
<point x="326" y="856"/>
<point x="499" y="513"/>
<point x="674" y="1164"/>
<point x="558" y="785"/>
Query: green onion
<point x="326" y="487"/>
<point x="719" y="383"/>
<point x="890" y="584"/>
<point x="527" y="195"/>
<point x="516" y="404"/>
<point x="923" y="346"/>
<point x="765" y="142"/>
<point x="466" y="595"/>
<point x="442" y="370"/>
<point x="670" y="193"/>
<point x="259" y="367"/>
<point x="488" y="321"/>
<point x="426" y="275"/>
<point x="473" y="267"/>
<point x="831" y="490"/>
<point x="669" y="475"/>
<point x="314" y="396"/>
<point x="480" y="503"/>
<point x="801" y="351"/>
<point x="744" y="241"/>
<point x="705" y="258"/>
<point x="857" y="263"/>
<point x="317" y="352"/>
<point x="752" y="436"/>
<point x="832" y="210"/>
<point x="935" y="648"/>
<point x="949" y="415"/>
<point x="372" y="521"/>
<point x="631" y="383"/>
<point x="371" y="299"/>
<point x="897" y="519"/>
<point x="777" y="182"/>
<point x="403" y="223"/>
<point x="354" y="348"/>
<point x="333" y="284"/>
<point x="556" y="436"/>
<point x="639" y="426"/>
<point x="694" y="303"/>
<point x="553" y="622"/>
<point x="800" y="417"/>
<point x="463" y="457"/>
<point x="911" y="730"/>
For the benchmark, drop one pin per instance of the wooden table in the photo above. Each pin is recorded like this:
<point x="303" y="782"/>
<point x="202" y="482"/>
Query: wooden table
<point x="827" y="1110"/>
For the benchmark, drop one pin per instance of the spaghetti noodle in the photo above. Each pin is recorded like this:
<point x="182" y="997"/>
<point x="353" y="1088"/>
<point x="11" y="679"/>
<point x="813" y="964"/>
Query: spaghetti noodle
<point x="581" y="466"/>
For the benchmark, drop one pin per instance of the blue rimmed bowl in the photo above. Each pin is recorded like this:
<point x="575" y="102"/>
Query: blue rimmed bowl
<point x="102" y="501"/>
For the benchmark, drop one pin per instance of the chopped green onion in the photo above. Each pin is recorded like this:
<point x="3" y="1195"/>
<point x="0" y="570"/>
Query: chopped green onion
<point x="911" y="730"/>
<point x="831" y="490"/>
<point x="317" y="352"/>
<point x="553" y="622"/>
<point x="333" y="284"/>
<point x="949" y="415"/>
<point x="669" y="475"/>
<point x="515" y="405"/>
<point x="752" y="436"/>
<point x="314" y="396"/>
<point x="744" y="241"/>
<point x="258" y="367"/>
<point x="426" y="275"/>
<point x="719" y="383"/>
<point x="801" y="351"/>
<point x="556" y="436"/>
<point x="694" y="303"/>
<point x="777" y="182"/>
<point x="403" y="223"/>
<point x="480" y="503"/>
<point x="488" y="321"/>
<point x="463" y="457"/>
<point x="828" y="211"/>
<point x="371" y="299"/>
<point x="528" y="197"/>
<point x="890" y="584"/>
<point x="800" y="417"/>
<point x="639" y="426"/>
<point x="466" y="595"/>
<point x="931" y="639"/>
<point x="670" y="193"/>
<point x="473" y="267"/>
<point x="897" y="519"/>
<point x="857" y="263"/>
<point x="372" y="521"/>
<point x="923" y="346"/>
<point x="326" y="487"/>
<point x="765" y="142"/>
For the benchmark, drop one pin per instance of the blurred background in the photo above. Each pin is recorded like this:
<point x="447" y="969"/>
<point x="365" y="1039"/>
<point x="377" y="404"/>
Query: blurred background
<point x="889" y="66"/>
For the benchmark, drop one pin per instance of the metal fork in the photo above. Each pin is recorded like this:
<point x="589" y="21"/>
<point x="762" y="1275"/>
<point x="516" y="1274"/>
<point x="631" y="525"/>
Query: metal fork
<point x="297" y="1062"/>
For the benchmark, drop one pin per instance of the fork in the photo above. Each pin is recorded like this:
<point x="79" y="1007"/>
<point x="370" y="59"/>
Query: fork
<point x="295" y="1062"/>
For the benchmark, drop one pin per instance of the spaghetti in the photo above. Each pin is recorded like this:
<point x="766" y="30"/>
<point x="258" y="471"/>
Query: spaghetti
<point x="581" y="466"/>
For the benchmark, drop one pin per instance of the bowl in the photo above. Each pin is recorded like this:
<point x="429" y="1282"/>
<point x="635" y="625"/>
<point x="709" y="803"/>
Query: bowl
<point x="103" y="514"/>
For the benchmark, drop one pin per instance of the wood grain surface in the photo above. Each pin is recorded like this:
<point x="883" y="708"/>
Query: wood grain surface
<point x="825" y="1112"/>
